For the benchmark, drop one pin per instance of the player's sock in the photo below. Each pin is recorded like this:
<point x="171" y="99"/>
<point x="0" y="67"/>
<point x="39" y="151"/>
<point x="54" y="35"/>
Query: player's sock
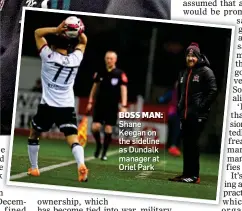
<point x="78" y="153"/>
<point x="97" y="137"/>
<point x="107" y="141"/>
<point x="33" y="150"/>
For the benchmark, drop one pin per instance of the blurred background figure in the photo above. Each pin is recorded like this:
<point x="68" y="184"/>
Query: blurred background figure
<point x="38" y="86"/>
<point x="145" y="8"/>
<point x="173" y="141"/>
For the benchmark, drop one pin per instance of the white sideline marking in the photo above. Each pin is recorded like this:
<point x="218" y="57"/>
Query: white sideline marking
<point x="145" y="174"/>
<point x="49" y="168"/>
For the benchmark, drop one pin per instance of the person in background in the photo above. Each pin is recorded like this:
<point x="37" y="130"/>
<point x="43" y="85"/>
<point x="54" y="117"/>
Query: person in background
<point x="197" y="91"/>
<point x="110" y="85"/>
<point x="173" y="121"/>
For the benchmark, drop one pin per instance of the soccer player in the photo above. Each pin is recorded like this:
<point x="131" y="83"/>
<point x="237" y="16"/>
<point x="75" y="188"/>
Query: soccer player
<point x="109" y="85"/>
<point x="198" y="90"/>
<point x="58" y="74"/>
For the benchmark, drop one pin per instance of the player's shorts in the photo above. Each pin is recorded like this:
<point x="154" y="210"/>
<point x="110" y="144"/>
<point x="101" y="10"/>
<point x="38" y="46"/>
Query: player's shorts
<point x="64" y="118"/>
<point x="105" y="114"/>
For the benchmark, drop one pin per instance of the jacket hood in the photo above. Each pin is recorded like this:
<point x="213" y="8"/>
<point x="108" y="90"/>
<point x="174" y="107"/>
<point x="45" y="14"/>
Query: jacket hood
<point x="202" y="61"/>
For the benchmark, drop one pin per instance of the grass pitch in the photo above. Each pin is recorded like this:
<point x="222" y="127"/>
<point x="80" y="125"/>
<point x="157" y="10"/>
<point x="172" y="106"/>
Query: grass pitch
<point x="106" y="175"/>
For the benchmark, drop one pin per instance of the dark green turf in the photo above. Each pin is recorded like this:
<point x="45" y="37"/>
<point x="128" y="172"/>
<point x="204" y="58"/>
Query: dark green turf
<point x="105" y="175"/>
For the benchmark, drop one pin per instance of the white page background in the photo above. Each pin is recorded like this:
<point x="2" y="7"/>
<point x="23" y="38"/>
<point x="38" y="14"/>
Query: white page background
<point x="31" y="195"/>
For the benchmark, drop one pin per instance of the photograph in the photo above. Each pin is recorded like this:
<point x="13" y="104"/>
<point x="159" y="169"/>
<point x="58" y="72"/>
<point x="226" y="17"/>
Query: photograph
<point x="78" y="72"/>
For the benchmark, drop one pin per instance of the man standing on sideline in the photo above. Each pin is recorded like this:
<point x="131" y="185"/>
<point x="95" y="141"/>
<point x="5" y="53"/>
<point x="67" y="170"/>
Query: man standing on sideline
<point x="198" y="90"/>
<point x="109" y="85"/>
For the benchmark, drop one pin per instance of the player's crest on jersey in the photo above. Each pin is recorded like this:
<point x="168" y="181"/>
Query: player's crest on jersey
<point x="114" y="81"/>
<point x="196" y="78"/>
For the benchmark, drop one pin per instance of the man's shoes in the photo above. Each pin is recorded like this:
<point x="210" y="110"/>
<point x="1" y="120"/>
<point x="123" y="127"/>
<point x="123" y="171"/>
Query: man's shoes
<point x="82" y="173"/>
<point x="174" y="151"/>
<point x="195" y="180"/>
<point x="176" y="179"/>
<point x="34" y="172"/>
<point x="104" y="158"/>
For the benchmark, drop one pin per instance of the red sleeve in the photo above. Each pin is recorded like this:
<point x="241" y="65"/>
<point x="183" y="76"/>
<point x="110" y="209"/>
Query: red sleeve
<point x="124" y="79"/>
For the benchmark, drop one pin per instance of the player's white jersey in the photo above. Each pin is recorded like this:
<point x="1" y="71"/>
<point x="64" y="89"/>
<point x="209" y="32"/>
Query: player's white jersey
<point x="58" y="74"/>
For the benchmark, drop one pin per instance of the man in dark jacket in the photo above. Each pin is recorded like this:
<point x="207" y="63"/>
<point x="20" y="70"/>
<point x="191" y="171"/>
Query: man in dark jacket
<point x="9" y="40"/>
<point x="197" y="91"/>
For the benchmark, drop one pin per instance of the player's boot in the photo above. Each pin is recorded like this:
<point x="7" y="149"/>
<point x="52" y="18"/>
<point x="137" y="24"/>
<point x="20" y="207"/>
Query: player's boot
<point x="33" y="172"/>
<point x="191" y="180"/>
<point x="82" y="173"/>
<point x="174" y="151"/>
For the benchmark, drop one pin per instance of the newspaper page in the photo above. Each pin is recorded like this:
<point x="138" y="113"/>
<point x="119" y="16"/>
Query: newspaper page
<point x="120" y="105"/>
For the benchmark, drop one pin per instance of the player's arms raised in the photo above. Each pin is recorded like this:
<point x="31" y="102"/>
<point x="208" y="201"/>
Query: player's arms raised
<point x="40" y="34"/>
<point x="82" y="42"/>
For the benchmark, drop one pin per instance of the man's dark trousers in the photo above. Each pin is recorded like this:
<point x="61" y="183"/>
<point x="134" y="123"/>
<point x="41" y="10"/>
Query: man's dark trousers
<point x="191" y="130"/>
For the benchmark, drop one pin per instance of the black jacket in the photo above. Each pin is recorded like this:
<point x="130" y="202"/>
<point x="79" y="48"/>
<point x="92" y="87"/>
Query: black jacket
<point x="197" y="90"/>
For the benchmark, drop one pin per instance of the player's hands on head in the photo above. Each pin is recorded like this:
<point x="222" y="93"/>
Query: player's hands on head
<point x="61" y="28"/>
